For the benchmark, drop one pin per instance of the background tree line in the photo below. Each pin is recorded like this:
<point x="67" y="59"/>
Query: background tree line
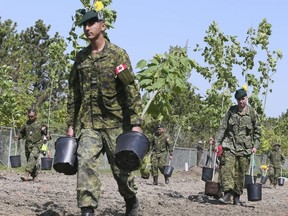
<point x="34" y="68"/>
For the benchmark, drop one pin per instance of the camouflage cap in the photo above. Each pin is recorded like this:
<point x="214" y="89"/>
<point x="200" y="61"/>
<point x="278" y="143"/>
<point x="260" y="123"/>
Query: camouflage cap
<point x="89" y="15"/>
<point x="276" y="144"/>
<point x="240" y="93"/>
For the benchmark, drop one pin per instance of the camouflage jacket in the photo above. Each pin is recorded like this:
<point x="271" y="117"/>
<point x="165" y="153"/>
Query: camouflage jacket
<point x="97" y="97"/>
<point x="275" y="158"/>
<point x="161" y="143"/>
<point x="239" y="131"/>
<point x="31" y="131"/>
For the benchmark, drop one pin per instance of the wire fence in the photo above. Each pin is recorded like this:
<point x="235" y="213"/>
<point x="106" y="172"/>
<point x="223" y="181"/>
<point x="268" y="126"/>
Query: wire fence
<point x="182" y="157"/>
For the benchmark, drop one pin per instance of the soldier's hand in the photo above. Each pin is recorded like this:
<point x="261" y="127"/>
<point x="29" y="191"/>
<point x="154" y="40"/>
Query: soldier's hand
<point x="16" y="138"/>
<point x="48" y="136"/>
<point x="137" y="128"/>
<point x="70" y="131"/>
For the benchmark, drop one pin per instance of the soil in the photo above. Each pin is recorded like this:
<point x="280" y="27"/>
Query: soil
<point x="55" y="195"/>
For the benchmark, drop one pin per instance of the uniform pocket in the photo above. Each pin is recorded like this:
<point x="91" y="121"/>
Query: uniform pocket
<point x="110" y="102"/>
<point x="248" y="129"/>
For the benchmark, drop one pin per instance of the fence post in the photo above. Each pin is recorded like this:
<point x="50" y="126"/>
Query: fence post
<point x="9" y="150"/>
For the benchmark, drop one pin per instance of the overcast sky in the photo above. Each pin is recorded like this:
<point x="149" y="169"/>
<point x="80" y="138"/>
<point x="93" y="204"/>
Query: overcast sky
<point x="144" y="28"/>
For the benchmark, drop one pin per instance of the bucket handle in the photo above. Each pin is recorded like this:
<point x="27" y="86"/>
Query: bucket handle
<point x="14" y="131"/>
<point x="252" y="160"/>
<point x="169" y="163"/>
<point x="251" y="164"/>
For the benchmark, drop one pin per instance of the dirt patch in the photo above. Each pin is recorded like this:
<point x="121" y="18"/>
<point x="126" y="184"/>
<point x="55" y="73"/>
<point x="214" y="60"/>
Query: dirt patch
<point x="55" y="195"/>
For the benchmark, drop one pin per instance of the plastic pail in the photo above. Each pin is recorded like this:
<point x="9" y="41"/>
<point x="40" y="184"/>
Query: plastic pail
<point x="281" y="181"/>
<point x="46" y="163"/>
<point x="264" y="179"/>
<point x="168" y="170"/>
<point x="65" y="158"/>
<point x="207" y="174"/>
<point x="131" y="148"/>
<point x="248" y="180"/>
<point x="212" y="188"/>
<point x="15" y="161"/>
<point x="254" y="192"/>
<point x="145" y="175"/>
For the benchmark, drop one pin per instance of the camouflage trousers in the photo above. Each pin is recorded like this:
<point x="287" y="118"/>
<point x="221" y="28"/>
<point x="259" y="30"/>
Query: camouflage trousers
<point x="274" y="173"/>
<point x="233" y="170"/>
<point x="32" y="153"/>
<point x="91" y="144"/>
<point x="158" y="161"/>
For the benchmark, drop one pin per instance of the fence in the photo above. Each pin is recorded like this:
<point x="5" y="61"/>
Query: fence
<point x="189" y="155"/>
<point x="182" y="156"/>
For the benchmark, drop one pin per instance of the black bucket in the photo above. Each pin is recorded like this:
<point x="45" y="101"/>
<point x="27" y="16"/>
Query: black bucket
<point x="212" y="188"/>
<point x="131" y="148"/>
<point x="264" y="179"/>
<point x="145" y="175"/>
<point x="168" y="170"/>
<point x="207" y="174"/>
<point x="65" y="158"/>
<point x="46" y="163"/>
<point x="248" y="180"/>
<point x="254" y="192"/>
<point x="15" y="161"/>
<point x="281" y="181"/>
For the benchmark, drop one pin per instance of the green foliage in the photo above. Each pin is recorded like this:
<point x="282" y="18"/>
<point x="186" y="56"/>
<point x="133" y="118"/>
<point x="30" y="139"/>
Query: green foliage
<point x="275" y="131"/>
<point x="34" y="71"/>
<point x="165" y="74"/>
<point x="9" y="108"/>
<point x="224" y="55"/>
<point x="145" y="165"/>
<point x="35" y="68"/>
<point x="285" y="173"/>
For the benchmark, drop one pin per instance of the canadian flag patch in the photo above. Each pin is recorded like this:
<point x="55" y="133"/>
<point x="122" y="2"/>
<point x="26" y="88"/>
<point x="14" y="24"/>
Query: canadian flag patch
<point x="120" y="68"/>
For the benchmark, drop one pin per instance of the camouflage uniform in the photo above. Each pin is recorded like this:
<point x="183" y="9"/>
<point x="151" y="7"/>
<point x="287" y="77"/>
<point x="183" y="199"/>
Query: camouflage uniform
<point x="275" y="160"/>
<point x="103" y="106"/>
<point x="239" y="133"/>
<point x="33" y="135"/>
<point x="160" y="146"/>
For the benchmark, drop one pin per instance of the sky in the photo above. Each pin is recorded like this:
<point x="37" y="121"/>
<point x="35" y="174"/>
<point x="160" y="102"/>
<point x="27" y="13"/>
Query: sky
<point x="144" y="28"/>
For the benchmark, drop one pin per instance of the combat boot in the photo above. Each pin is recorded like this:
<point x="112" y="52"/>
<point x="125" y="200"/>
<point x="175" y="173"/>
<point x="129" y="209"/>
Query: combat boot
<point x="166" y="180"/>
<point x="155" y="180"/>
<point x="132" y="206"/>
<point x="26" y="177"/>
<point x="226" y="198"/>
<point x="87" y="211"/>
<point x="236" y="200"/>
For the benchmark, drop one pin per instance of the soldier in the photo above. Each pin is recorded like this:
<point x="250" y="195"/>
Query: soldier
<point x="105" y="99"/>
<point x="275" y="161"/>
<point x="33" y="132"/>
<point x="160" y="146"/>
<point x="239" y="135"/>
<point x="200" y="152"/>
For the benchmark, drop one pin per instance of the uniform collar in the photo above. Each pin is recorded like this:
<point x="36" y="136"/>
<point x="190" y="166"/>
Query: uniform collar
<point x="87" y="50"/>
<point x="244" y="111"/>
